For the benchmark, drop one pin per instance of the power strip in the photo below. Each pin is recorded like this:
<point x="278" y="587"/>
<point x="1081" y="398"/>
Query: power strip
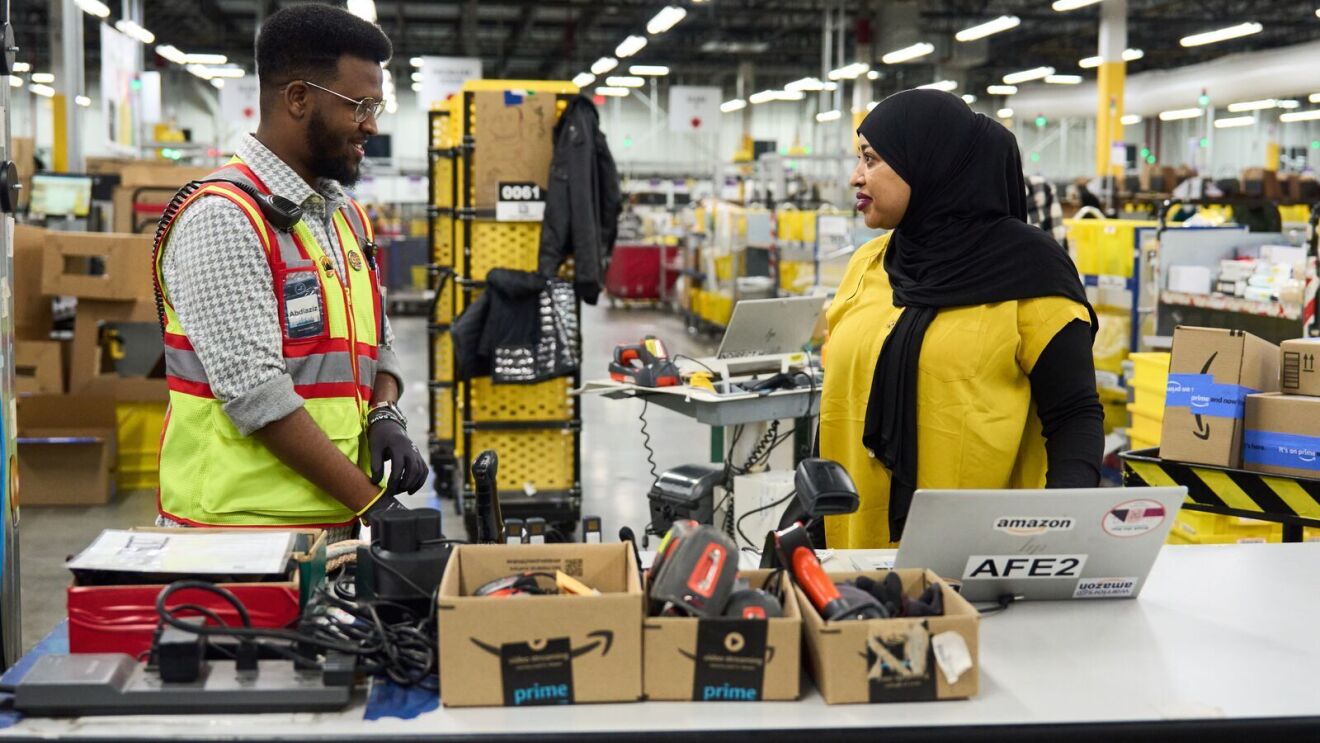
<point x="116" y="684"/>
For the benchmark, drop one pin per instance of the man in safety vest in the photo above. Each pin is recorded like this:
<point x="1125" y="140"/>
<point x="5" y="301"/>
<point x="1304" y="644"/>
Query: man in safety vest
<point x="283" y="385"/>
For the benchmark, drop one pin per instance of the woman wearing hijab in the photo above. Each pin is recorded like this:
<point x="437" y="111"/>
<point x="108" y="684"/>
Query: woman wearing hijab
<point x="959" y="351"/>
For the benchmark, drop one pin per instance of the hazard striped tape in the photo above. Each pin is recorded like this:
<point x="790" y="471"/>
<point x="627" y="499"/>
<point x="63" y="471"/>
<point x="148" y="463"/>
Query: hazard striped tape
<point x="1235" y="492"/>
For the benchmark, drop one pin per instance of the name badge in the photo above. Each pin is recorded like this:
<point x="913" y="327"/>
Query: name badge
<point x="303" y="316"/>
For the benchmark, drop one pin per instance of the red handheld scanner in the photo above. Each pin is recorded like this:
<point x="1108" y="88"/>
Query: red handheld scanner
<point x="795" y="551"/>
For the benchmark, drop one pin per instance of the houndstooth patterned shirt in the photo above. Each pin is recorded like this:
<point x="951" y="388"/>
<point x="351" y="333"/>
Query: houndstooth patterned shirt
<point x="220" y="285"/>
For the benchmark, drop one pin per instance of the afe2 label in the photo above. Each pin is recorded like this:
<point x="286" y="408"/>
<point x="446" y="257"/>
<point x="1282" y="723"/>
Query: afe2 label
<point x="1000" y="567"/>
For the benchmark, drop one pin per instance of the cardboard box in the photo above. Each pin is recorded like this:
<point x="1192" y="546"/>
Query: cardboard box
<point x="1297" y="369"/>
<point x="32" y="315"/>
<point x="66" y="450"/>
<point x="722" y="659"/>
<point x="38" y="368"/>
<point x="122" y="618"/>
<point x="125" y="273"/>
<point x="854" y="661"/>
<point x="536" y="650"/>
<point x="144" y="189"/>
<point x="514" y="138"/>
<point x="1211" y="372"/>
<point x="86" y="358"/>
<point x="1283" y="435"/>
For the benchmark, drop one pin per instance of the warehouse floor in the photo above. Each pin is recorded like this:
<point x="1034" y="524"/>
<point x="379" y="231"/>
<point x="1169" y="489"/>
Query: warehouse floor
<point x="614" y="468"/>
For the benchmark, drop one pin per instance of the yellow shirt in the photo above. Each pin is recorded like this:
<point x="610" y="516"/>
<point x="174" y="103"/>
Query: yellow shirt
<point x="976" y="422"/>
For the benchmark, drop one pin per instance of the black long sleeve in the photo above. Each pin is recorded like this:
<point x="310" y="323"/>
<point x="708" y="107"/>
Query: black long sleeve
<point x="1063" y="386"/>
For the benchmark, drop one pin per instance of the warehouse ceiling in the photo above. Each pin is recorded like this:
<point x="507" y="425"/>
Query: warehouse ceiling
<point x="782" y="39"/>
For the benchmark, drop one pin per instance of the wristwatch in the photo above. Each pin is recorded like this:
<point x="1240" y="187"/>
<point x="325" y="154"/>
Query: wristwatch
<point x="386" y="411"/>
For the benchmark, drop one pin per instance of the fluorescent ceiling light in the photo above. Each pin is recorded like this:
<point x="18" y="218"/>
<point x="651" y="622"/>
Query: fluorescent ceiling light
<point x="201" y="71"/>
<point x="1064" y="79"/>
<point x="228" y="72"/>
<point x="947" y="86"/>
<point x="614" y="92"/>
<point x="1181" y="113"/>
<point x="1001" y="89"/>
<point x="44" y="78"/>
<point x="825" y="116"/>
<point x="665" y="20"/>
<point x="416" y="61"/>
<point x="1234" y="121"/>
<point x="650" y="70"/>
<point x="364" y="9"/>
<point x="416" y="87"/>
<point x="93" y="7"/>
<point x="603" y="65"/>
<point x="908" y="53"/>
<point x="630" y="46"/>
<point x="416" y="76"/>
<point x="15" y="81"/>
<point x="134" y="31"/>
<point x="583" y="79"/>
<point x="1129" y="55"/>
<point x="44" y="91"/>
<point x="789" y="95"/>
<point x="172" y="53"/>
<point x="1036" y="73"/>
<point x="217" y="83"/>
<point x="624" y="81"/>
<point x="1130" y="119"/>
<point x="806" y="84"/>
<point x="22" y="67"/>
<point x="873" y="75"/>
<point x="1063" y="6"/>
<point x="849" y="72"/>
<point x="1314" y="98"/>
<point x="1005" y="113"/>
<point x="206" y="59"/>
<point x="969" y="99"/>
<point x="1261" y="105"/>
<point x="1292" y="116"/>
<point x="1289" y="103"/>
<point x="832" y="86"/>
<point x="1221" y="34"/>
<point x="766" y="96"/>
<point x="737" y="104"/>
<point x="1002" y="23"/>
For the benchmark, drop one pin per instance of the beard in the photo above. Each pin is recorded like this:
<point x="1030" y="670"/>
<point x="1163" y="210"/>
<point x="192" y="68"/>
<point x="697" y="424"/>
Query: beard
<point x="324" y="144"/>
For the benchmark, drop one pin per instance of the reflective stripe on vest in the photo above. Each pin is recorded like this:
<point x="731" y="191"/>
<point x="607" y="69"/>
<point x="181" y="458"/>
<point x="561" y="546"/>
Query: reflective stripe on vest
<point x="212" y="474"/>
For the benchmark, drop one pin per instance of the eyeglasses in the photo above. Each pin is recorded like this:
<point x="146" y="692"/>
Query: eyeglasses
<point x="367" y="107"/>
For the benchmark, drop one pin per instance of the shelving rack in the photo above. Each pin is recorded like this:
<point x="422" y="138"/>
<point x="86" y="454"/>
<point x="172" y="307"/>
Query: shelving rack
<point x="534" y="428"/>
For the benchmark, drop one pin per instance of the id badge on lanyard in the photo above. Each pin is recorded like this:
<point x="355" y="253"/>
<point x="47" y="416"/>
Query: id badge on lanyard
<point x="303" y="314"/>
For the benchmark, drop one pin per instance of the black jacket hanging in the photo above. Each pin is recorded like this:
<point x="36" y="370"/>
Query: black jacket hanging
<point x="523" y="328"/>
<point x="583" y="201"/>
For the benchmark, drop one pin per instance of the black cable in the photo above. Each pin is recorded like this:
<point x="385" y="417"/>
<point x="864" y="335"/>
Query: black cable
<point x="646" y="443"/>
<point x="766" y="507"/>
<point x="1001" y="604"/>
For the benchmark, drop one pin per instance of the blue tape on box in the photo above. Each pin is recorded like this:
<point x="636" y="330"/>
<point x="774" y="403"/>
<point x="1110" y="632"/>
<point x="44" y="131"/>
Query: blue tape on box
<point x="1290" y="450"/>
<point x="1200" y="394"/>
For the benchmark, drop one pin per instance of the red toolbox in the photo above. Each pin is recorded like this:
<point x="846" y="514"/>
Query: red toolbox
<point x="634" y="272"/>
<point x="123" y="618"/>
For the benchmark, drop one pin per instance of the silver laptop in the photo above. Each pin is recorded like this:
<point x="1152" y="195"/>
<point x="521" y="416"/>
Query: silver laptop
<point x="762" y="331"/>
<point x="1040" y="544"/>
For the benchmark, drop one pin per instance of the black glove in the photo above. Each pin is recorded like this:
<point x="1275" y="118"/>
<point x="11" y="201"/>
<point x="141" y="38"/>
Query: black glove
<point x="408" y="470"/>
<point x="385" y="502"/>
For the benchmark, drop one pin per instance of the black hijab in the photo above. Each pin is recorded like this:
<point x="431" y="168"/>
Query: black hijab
<point x="963" y="241"/>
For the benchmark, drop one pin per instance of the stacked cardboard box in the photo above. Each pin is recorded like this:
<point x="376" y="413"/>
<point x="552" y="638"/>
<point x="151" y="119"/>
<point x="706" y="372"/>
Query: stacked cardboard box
<point x="67" y="460"/>
<point x="1283" y="429"/>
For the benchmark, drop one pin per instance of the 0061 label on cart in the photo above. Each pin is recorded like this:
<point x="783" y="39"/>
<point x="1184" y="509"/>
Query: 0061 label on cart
<point x="519" y="202"/>
<point x="537" y="673"/>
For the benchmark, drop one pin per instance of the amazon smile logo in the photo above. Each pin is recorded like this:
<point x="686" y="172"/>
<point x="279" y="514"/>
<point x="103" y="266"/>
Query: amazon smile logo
<point x="602" y="639"/>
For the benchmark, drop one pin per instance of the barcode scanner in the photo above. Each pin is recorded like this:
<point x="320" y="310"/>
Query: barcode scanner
<point x="490" y="522"/>
<point x="794" y="548"/>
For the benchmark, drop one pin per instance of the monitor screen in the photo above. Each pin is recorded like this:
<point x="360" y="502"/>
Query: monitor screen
<point x="378" y="146"/>
<point x="61" y="195"/>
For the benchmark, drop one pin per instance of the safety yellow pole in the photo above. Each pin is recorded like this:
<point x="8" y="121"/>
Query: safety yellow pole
<point x="1109" y="117"/>
<point x="60" y="150"/>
